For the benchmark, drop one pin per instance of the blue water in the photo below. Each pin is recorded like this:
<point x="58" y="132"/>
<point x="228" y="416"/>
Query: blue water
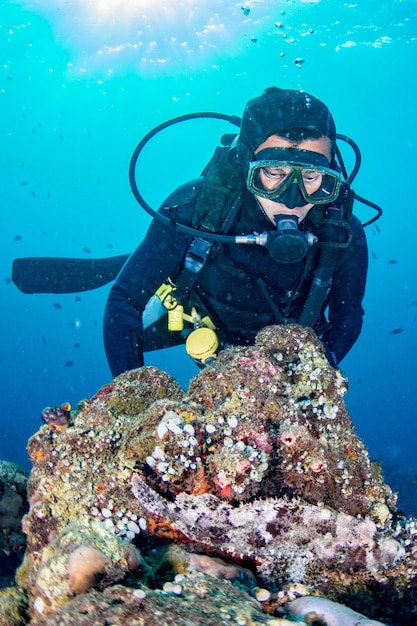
<point x="82" y="82"/>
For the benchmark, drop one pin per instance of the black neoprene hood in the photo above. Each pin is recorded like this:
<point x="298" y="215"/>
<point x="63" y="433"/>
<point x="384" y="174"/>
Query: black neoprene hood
<point x="279" y="110"/>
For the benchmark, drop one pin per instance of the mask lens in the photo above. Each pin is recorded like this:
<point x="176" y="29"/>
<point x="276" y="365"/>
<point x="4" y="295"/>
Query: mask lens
<point x="319" y="186"/>
<point x="272" y="178"/>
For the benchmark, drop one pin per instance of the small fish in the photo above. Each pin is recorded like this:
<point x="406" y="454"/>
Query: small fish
<point x="109" y="245"/>
<point x="17" y="238"/>
<point x="77" y="299"/>
<point x="76" y="346"/>
<point x="396" y="331"/>
<point x="57" y="305"/>
<point x="69" y="363"/>
<point x="374" y="255"/>
<point x="43" y="340"/>
<point x="87" y="250"/>
<point x="377" y="228"/>
<point x="413" y="303"/>
<point x="23" y="183"/>
<point x="7" y="281"/>
<point x="392" y="262"/>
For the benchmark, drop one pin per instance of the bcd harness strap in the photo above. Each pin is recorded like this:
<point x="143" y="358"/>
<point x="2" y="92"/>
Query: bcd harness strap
<point x="202" y="342"/>
<point x="195" y="259"/>
<point x="173" y="295"/>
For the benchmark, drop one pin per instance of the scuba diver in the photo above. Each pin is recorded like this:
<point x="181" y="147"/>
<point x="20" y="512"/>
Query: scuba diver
<point x="278" y="187"/>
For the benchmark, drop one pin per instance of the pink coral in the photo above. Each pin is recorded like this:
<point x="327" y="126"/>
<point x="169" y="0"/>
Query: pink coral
<point x="288" y="439"/>
<point x="258" y="362"/>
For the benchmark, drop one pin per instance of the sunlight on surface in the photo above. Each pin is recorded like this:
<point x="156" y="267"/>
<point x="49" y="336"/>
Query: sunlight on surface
<point x="124" y="11"/>
<point x="150" y="37"/>
<point x="112" y="7"/>
<point x="110" y="34"/>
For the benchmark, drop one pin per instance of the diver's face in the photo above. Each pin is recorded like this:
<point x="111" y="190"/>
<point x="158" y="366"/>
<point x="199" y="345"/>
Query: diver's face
<point x="271" y="207"/>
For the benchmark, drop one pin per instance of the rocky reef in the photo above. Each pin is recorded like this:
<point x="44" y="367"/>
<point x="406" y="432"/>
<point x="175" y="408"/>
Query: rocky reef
<point x="13" y="504"/>
<point x="244" y="493"/>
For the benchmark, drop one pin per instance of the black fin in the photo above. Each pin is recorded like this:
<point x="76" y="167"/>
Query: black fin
<point x="64" y="275"/>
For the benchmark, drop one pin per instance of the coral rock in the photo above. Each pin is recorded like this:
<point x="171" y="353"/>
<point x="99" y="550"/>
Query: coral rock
<point x="13" y="504"/>
<point x="258" y="464"/>
<point x="84" y="555"/>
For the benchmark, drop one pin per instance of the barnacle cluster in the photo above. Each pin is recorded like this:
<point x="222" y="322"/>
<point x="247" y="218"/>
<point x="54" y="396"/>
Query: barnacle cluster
<point x="269" y="420"/>
<point x="182" y="447"/>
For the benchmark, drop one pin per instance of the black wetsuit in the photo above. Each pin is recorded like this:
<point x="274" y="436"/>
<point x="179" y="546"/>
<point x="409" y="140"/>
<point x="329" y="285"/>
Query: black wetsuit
<point x="241" y="287"/>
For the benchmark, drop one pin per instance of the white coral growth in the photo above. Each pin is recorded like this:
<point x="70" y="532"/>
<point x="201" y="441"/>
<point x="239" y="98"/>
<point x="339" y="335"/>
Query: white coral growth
<point x="328" y="612"/>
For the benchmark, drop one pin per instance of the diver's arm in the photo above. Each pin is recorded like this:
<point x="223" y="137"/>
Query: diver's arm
<point x="122" y="332"/>
<point x="141" y="275"/>
<point x="346" y="295"/>
<point x="158" y="257"/>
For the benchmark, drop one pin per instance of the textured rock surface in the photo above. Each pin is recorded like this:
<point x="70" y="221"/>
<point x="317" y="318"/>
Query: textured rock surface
<point x="203" y="601"/>
<point x="13" y="504"/>
<point x="258" y="463"/>
<point x="13" y="607"/>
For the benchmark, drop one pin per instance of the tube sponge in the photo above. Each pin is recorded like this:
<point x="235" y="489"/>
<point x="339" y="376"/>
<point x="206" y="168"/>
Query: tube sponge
<point x="86" y="567"/>
<point x="326" y="612"/>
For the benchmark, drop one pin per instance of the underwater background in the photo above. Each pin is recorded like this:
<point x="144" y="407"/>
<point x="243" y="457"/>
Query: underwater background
<point x="82" y="82"/>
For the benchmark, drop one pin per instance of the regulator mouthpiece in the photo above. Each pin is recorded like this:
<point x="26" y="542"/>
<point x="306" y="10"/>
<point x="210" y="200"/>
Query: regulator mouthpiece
<point x="288" y="244"/>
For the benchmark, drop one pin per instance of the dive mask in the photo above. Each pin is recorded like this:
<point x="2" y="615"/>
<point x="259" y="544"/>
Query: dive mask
<point x="276" y="169"/>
